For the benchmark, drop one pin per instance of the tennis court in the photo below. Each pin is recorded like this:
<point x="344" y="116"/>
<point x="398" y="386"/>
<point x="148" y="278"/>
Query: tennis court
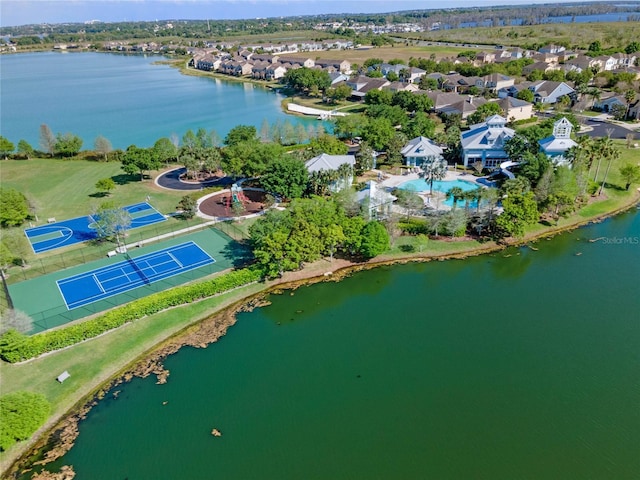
<point x="88" y="287"/>
<point x="80" y="229"/>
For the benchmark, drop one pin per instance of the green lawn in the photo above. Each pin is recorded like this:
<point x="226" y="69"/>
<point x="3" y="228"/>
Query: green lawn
<point x="64" y="189"/>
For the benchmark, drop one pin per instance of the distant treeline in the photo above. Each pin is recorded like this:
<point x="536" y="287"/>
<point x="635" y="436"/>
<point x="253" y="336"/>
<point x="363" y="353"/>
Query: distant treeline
<point x="218" y="29"/>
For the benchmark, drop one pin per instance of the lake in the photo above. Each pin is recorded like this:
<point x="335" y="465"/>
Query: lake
<point x="125" y="98"/>
<point x="518" y="364"/>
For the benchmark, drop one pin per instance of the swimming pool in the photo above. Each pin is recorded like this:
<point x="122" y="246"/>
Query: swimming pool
<point x="442" y="186"/>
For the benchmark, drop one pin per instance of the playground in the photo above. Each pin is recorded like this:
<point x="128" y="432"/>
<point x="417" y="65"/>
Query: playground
<point x="234" y="202"/>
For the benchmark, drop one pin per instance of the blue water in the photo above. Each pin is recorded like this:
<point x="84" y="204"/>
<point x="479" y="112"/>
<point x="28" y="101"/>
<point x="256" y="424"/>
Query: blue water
<point x="126" y="98"/>
<point x="442" y="186"/>
<point x="602" y="17"/>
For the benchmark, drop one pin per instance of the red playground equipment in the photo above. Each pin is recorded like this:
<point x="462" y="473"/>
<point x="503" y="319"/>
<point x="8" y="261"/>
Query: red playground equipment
<point x="237" y="197"/>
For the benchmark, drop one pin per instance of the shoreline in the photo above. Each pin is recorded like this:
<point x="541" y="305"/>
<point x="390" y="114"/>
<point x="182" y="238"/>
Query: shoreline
<point x="59" y="433"/>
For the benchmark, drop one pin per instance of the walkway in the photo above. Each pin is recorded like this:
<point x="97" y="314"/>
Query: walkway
<point x="171" y="181"/>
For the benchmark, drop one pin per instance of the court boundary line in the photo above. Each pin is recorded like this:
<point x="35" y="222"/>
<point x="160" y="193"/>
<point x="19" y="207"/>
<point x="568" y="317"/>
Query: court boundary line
<point x="145" y="280"/>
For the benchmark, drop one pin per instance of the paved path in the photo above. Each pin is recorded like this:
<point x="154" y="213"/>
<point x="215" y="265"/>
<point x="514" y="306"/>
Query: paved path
<point x="171" y="181"/>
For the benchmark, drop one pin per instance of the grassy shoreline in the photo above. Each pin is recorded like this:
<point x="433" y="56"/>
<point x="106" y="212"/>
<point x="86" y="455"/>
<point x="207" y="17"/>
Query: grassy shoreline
<point x="104" y="360"/>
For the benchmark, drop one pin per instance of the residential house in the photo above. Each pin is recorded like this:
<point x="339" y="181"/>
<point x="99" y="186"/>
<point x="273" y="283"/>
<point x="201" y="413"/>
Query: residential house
<point x="546" y="91"/>
<point x="607" y="62"/>
<point x="513" y="90"/>
<point x="302" y="62"/>
<point x="486" y="57"/>
<point x="556" y="145"/>
<point x="361" y="85"/>
<point x="515" y="109"/>
<point x="634" y="111"/>
<point x="607" y="101"/>
<point x="401" y="86"/>
<point x="419" y="151"/>
<point x="275" y="71"/>
<point x="625" y="59"/>
<point x="464" y="107"/>
<point x="454" y="82"/>
<point x="375" y="202"/>
<point x="343" y="66"/>
<point x="551" y="48"/>
<point x="496" y="81"/>
<point x="540" y="66"/>
<point x="337" y="77"/>
<point x="485" y="142"/>
<point x="325" y="162"/>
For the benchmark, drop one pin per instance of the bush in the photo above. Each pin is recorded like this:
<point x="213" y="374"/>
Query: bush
<point x="15" y="347"/>
<point x="414" y="226"/>
<point x="22" y="413"/>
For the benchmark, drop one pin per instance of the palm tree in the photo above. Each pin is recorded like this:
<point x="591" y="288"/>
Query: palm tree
<point x="612" y="154"/>
<point x="435" y="169"/>
<point x="456" y="193"/>
<point x="602" y="146"/>
<point x="629" y="97"/>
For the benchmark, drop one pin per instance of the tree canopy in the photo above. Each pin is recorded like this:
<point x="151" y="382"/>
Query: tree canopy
<point x="14" y="208"/>
<point x="22" y="413"/>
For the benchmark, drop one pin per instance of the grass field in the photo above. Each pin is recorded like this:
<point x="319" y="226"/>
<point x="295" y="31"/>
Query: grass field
<point x="577" y="35"/>
<point x="65" y="189"/>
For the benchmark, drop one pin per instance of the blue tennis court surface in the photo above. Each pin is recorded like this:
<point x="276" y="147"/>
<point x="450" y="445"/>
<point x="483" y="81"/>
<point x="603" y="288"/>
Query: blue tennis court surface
<point x="81" y="229"/>
<point x="120" y="277"/>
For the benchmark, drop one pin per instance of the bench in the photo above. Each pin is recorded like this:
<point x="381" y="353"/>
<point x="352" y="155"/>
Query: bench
<point x="112" y="253"/>
<point x="51" y="220"/>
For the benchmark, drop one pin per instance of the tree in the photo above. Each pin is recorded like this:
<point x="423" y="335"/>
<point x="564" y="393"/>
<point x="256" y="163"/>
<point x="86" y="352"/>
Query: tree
<point x="378" y="97"/>
<point x="633" y="47"/>
<point x="420" y="125"/>
<point x="630" y="174"/>
<point x="612" y="154"/>
<point x="15" y="320"/>
<point x="435" y="169"/>
<point x="22" y="414"/>
<point x="240" y="133"/>
<point x="287" y="177"/>
<point x="164" y="150"/>
<point x="105" y="185"/>
<point x="519" y="210"/>
<point x="25" y="149"/>
<point x="455" y="194"/>
<point x="394" y="148"/>
<point x="14" y="208"/>
<point x="136" y="159"/>
<point x="67" y="144"/>
<point x="375" y="240"/>
<point x="365" y="158"/>
<point x="189" y="206"/>
<point x="327" y="144"/>
<point x="6" y="147"/>
<point x="483" y="112"/>
<point x="339" y="93"/>
<point x="525" y="95"/>
<point x="378" y="132"/>
<point x="111" y="222"/>
<point x="618" y="111"/>
<point x="102" y="146"/>
<point x="47" y="140"/>
<point x="349" y="126"/>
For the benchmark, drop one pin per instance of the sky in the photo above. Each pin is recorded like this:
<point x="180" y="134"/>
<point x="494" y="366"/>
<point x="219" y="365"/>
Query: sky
<point x="23" y="12"/>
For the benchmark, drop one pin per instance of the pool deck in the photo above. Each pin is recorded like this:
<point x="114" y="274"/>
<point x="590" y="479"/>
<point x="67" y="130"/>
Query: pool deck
<point x="393" y="181"/>
<point x="436" y="200"/>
